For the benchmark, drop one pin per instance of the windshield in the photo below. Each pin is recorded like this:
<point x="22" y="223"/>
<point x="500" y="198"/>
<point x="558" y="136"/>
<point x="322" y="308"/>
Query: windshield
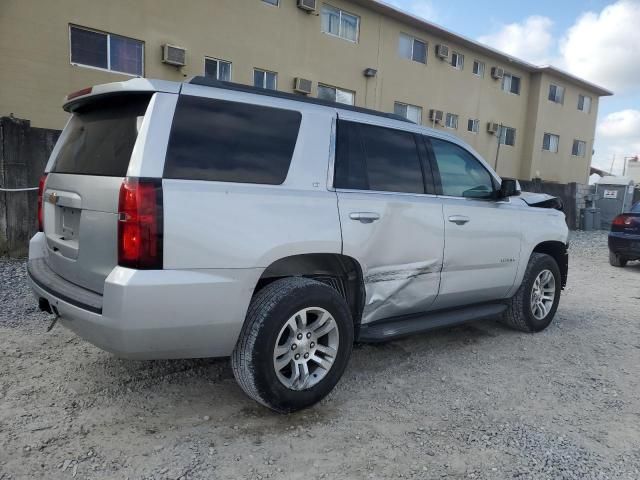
<point x="100" y="137"/>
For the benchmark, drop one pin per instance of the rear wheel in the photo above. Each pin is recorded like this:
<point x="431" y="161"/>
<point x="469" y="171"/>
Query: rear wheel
<point x="616" y="260"/>
<point x="295" y="344"/>
<point x="534" y="305"/>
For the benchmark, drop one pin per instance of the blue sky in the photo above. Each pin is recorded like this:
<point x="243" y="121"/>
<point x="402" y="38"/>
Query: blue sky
<point x="598" y="40"/>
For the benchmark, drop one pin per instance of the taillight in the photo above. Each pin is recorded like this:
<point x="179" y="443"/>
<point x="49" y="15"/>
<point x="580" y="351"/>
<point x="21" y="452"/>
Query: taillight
<point x="140" y="223"/>
<point x="79" y="93"/>
<point x="622" y="221"/>
<point x="41" y="183"/>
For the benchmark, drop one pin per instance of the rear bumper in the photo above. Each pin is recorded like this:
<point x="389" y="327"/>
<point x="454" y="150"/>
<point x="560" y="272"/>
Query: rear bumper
<point x="625" y="244"/>
<point x="153" y="314"/>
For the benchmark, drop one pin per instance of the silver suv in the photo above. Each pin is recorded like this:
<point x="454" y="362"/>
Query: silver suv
<point x="208" y="219"/>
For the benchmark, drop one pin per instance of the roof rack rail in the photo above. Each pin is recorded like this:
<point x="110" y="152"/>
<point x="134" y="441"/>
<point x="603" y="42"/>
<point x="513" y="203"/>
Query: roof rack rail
<point x="210" y="82"/>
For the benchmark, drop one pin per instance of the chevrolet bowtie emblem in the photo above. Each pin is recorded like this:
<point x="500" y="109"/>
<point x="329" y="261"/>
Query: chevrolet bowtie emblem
<point x="53" y="198"/>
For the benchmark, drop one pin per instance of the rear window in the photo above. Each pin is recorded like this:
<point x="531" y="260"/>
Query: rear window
<point x="100" y="137"/>
<point x="636" y="208"/>
<point x="230" y="141"/>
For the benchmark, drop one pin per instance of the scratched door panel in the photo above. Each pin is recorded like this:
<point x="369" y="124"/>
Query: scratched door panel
<point x="400" y="253"/>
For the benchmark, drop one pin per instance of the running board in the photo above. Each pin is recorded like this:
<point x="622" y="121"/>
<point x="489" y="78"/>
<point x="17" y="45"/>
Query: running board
<point x="391" y="328"/>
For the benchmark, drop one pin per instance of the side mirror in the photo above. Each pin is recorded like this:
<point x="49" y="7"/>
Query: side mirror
<point x="509" y="188"/>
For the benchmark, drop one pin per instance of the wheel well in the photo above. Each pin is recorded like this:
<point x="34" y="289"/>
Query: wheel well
<point x="558" y="251"/>
<point x="338" y="271"/>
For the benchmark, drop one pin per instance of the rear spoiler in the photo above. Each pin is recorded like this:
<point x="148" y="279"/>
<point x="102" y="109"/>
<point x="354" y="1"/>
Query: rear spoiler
<point x="135" y="85"/>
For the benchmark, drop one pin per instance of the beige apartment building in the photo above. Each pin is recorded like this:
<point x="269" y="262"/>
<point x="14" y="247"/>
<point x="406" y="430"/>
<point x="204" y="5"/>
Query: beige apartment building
<point x="354" y="51"/>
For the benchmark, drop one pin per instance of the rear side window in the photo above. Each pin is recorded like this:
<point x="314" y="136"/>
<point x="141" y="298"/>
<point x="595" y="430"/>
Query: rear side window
<point x="377" y="158"/>
<point x="100" y="136"/>
<point x="230" y="141"/>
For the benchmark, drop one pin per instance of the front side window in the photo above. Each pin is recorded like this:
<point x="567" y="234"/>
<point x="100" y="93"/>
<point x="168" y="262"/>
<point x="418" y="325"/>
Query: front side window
<point x="579" y="148"/>
<point x="550" y="142"/>
<point x="376" y="158"/>
<point x="461" y="174"/>
<point x="107" y="51"/>
<point x="507" y="136"/>
<point x="451" y="120"/>
<point x="457" y="60"/>
<point x="473" y="125"/>
<point x="265" y="79"/>
<point x="584" y="103"/>
<point x="218" y="140"/>
<point x="218" y="69"/>
<point x="556" y="93"/>
<point x="338" y="95"/>
<point x="410" y="112"/>
<point x="412" y="49"/>
<point x="478" y="68"/>
<point x="340" y="23"/>
<point x="511" y="84"/>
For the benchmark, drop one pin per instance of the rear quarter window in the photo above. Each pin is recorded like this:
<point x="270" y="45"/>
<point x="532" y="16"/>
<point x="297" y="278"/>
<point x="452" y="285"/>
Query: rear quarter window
<point x="224" y="141"/>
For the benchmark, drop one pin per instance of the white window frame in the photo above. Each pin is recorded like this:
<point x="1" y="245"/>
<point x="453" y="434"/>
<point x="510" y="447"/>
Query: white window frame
<point x="559" y="99"/>
<point x="502" y="136"/>
<point x="413" y="44"/>
<point x="336" y="89"/>
<point x="454" y="121"/>
<point x="407" y="106"/>
<point x="339" y="34"/>
<point x="557" y="142"/>
<point x="276" y="4"/>
<point x="510" y="77"/>
<point x="108" y="35"/>
<point x="584" y="148"/>
<point x="218" y="60"/>
<point x="475" y="125"/>
<point x="481" y="68"/>
<point x="264" y="77"/>
<point x="584" y="97"/>
<point x="459" y="65"/>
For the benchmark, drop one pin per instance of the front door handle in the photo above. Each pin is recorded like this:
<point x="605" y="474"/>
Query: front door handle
<point x="364" y="217"/>
<point x="459" y="219"/>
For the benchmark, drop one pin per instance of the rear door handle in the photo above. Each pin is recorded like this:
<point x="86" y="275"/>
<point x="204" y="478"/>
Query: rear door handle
<point x="459" y="219"/>
<point x="364" y="217"/>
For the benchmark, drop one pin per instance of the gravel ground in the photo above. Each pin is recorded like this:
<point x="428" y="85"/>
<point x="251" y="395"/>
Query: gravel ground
<point x="478" y="401"/>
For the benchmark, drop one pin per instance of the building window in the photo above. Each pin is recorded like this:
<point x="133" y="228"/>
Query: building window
<point x="457" y="60"/>
<point x="412" y="48"/>
<point x="410" y="112"/>
<point x="218" y="69"/>
<point x="338" y="95"/>
<point x="550" y="142"/>
<point x="106" y="51"/>
<point x="265" y="79"/>
<point x="584" y="103"/>
<point x="340" y="23"/>
<point x="451" y="121"/>
<point x="511" y="84"/>
<point x="507" y="136"/>
<point x="272" y="2"/>
<point x="478" y="68"/>
<point x="473" y="125"/>
<point x="579" y="148"/>
<point x="556" y="94"/>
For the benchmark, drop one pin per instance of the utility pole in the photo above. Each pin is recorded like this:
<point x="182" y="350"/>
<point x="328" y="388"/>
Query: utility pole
<point x="613" y="161"/>
<point x="498" y="149"/>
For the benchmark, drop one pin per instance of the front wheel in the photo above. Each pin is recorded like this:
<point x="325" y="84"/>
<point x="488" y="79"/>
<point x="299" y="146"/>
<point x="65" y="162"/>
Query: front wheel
<point x="294" y="345"/>
<point x="534" y="305"/>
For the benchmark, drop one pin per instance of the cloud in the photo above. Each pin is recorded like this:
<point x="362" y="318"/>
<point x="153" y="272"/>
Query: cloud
<point x="530" y="40"/>
<point x="624" y="124"/>
<point x="605" y="47"/>
<point x="617" y="136"/>
<point x="421" y="8"/>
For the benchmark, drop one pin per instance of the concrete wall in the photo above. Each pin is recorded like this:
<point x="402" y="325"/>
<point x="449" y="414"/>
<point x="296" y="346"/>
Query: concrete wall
<point x="37" y="73"/>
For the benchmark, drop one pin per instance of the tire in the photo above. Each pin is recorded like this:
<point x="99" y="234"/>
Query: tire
<point x="616" y="260"/>
<point x="268" y="326"/>
<point x="520" y="308"/>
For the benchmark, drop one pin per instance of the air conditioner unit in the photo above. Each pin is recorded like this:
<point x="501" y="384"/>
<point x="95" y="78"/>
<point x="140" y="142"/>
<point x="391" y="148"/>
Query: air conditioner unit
<point x="493" y="127"/>
<point x="308" y="5"/>
<point x="442" y="51"/>
<point x="436" y="115"/>
<point x="302" y="85"/>
<point x="173" y="55"/>
<point x="497" y="72"/>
